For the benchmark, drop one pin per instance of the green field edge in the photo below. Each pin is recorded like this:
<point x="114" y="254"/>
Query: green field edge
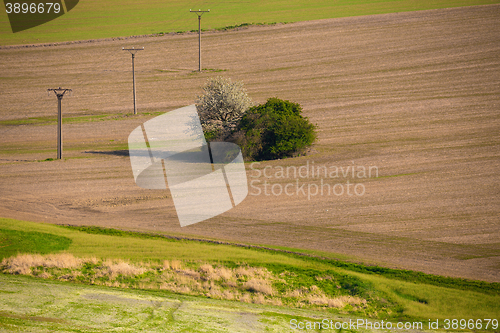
<point x="392" y="294"/>
<point x="62" y="325"/>
<point x="391" y="273"/>
<point x="277" y="15"/>
<point x="51" y="120"/>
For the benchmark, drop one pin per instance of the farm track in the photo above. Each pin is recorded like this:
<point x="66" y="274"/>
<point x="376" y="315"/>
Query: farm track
<point x="416" y="94"/>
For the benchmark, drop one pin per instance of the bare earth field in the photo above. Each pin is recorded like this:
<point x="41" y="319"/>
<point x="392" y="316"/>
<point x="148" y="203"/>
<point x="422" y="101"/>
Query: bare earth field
<point x="416" y="94"/>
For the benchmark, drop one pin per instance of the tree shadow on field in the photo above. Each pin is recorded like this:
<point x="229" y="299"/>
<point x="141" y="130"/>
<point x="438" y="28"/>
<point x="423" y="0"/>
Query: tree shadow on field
<point x="187" y="156"/>
<point x="220" y="154"/>
<point x="123" y="152"/>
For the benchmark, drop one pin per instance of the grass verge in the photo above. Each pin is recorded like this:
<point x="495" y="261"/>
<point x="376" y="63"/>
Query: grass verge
<point x="91" y="20"/>
<point x="29" y="304"/>
<point x="49" y="120"/>
<point x="250" y="275"/>
<point x="13" y="242"/>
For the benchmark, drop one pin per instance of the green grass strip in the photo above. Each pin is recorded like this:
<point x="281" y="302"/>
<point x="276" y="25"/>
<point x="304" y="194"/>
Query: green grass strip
<point x="93" y="19"/>
<point x="15" y="241"/>
<point x="403" y="275"/>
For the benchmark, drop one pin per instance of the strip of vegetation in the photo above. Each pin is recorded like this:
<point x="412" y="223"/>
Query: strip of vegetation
<point x="280" y="285"/>
<point x="243" y="25"/>
<point x="226" y="28"/>
<point x="49" y="120"/>
<point x="404" y="275"/>
<point x="45" y="306"/>
<point x="294" y="279"/>
<point x="172" y="16"/>
<point x="121" y="233"/>
<point x="420" y="277"/>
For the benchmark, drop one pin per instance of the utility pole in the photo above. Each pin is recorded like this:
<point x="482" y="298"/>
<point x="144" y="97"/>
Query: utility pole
<point x="133" y="51"/>
<point x="199" y="12"/>
<point x="60" y="94"/>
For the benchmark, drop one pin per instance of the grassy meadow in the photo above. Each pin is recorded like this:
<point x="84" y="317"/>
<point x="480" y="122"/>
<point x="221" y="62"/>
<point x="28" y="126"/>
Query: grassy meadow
<point x="94" y="19"/>
<point x="100" y="309"/>
<point x="115" y="266"/>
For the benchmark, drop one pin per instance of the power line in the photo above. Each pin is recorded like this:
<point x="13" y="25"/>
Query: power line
<point x="185" y="18"/>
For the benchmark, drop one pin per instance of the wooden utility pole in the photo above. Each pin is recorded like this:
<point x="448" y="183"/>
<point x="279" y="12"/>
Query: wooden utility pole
<point x="60" y="94"/>
<point x="199" y="12"/>
<point x="133" y="51"/>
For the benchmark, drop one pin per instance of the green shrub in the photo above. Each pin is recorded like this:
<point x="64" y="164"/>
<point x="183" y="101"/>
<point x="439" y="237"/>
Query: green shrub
<point x="273" y="130"/>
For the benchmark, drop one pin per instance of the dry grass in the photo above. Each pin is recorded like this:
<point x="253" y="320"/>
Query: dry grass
<point x="338" y="302"/>
<point x="206" y="268"/>
<point x="315" y="296"/>
<point x="317" y="300"/>
<point x="252" y="272"/>
<point x="62" y="260"/>
<point x="259" y="286"/>
<point x="208" y="272"/>
<point x="245" y="298"/>
<point x="45" y="275"/>
<point x="259" y="299"/>
<point x="229" y="295"/>
<point x="214" y="291"/>
<point x="220" y="273"/>
<point x="172" y="264"/>
<point x="24" y="263"/>
<point x="191" y="273"/>
<point x="244" y="283"/>
<point x="123" y="268"/>
<point x="342" y="301"/>
<point x="176" y="264"/>
<point x="69" y="277"/>
<point x="183" y="289"/>
<point x="224" y="273"/>
<point x="297" y="292"/>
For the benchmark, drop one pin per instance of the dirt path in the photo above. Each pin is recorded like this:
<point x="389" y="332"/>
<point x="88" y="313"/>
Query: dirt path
<point x="415" y="94"/>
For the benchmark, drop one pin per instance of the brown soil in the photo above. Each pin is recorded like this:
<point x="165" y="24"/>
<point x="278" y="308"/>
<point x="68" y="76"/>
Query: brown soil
<point x="415" y="94"/>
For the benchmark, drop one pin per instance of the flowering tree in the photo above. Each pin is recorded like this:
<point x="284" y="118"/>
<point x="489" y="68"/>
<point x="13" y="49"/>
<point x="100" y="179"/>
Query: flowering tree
<point x="221" y="107"/>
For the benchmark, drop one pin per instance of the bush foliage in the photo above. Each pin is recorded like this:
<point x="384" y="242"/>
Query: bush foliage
<point x="274" y="130"/>
<point x="269" y="131"/>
